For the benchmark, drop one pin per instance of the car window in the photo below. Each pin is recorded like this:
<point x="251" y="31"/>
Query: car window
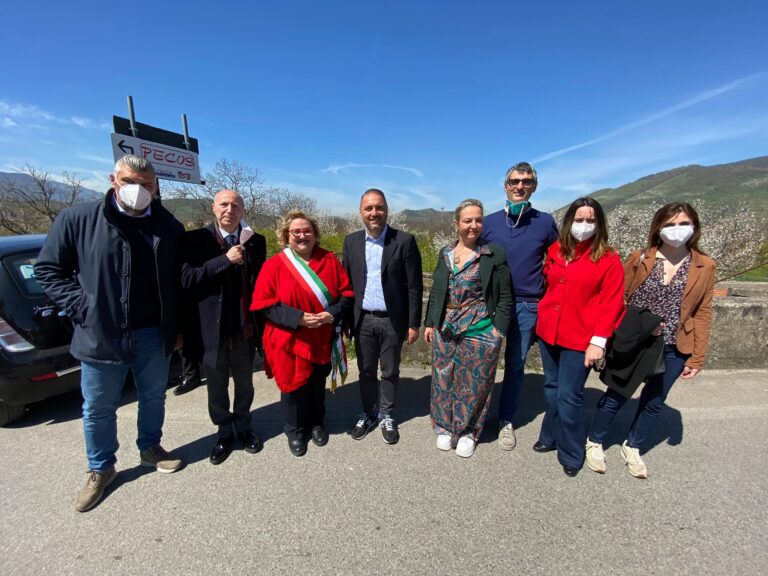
<point x="22" y="271"/>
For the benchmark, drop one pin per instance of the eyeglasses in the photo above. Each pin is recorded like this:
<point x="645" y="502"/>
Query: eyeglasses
<point x="527" y="182"/>
<point x="301" y="232"/>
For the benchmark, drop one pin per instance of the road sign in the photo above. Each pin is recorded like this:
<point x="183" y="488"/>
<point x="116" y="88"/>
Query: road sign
<point x="166" y="150"/>
<point x="170" y="163"/>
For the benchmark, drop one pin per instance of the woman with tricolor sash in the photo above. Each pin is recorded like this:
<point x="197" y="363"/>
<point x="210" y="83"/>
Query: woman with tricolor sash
<point x="303" y="293"/>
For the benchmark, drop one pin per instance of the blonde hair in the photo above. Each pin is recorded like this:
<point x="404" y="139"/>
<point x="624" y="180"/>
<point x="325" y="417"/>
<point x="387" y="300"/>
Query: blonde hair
<point x="282" y="229"/>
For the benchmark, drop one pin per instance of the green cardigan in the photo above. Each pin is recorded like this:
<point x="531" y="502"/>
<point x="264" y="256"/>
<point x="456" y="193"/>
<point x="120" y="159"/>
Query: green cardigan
<point x="497" y="289"/>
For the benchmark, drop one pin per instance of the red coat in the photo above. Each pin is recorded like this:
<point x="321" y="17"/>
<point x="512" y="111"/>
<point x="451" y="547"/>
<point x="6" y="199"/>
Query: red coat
<point x="582" y="298"/>
<point x="289" y="354"/>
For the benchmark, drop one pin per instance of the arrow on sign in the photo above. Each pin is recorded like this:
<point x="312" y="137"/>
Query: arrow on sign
<point x="124" y="147"/>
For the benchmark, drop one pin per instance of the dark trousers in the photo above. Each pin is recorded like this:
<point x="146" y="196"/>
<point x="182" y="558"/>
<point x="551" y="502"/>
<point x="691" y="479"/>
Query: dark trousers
<point x="651" y="401"/>
<point x="238" y="362"/>
<point x="377" y="340"/>
<point x="563" y="424"/>
<point x="304" y="408"/>
<point x="190" y="370"/>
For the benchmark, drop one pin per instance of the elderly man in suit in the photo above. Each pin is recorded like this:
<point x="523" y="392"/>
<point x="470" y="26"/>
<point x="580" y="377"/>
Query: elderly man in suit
<point x="384" y="266"/>
<point x="220" y="268"/>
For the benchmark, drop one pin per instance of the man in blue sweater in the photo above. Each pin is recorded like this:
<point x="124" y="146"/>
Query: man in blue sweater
<point x="526" y="234"/>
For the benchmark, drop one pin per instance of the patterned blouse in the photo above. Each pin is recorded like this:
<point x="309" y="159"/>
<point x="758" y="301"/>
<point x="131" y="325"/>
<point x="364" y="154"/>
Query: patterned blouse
<point x="664" y="300"/>
<point x="466" y="312"/>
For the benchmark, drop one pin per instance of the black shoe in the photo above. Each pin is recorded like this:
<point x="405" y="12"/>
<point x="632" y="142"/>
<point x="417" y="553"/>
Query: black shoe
<point x="363" y="426"/>
<point x="221" y="451"/>
<point x="186" y="386"/>
<point x="389" y="430"/>
<point x="298" y="447"/>
<point x="540" y="447"/>
<point x="570" y="472"/>
<point x="251" y="442"/>
<point x="319" y="436"/>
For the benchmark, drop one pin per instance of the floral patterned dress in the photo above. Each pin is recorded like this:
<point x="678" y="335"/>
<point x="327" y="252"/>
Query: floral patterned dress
<point x="465" y="354"/>
<point x="664" y="299"/>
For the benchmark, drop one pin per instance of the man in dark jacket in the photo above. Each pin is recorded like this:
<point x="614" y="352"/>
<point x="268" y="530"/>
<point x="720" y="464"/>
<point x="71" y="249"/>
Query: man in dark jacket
<point x="384" y="266"/>
<point x="112" y="267"/>
<point x="220" y="268"/>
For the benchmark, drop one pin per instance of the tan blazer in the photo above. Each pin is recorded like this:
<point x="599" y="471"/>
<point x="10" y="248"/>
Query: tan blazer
<point x="696" y="308"/>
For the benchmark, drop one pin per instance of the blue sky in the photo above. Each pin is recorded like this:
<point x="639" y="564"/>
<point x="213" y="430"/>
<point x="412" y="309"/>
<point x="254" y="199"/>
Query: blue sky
<point x="430" y="101"/>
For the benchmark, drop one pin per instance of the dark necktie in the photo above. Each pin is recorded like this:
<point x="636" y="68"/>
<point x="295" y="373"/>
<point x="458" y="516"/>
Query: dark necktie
<point x="231" y="240"/>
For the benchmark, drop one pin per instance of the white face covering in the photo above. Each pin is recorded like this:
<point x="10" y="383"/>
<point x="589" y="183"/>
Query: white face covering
<point x="135" y="196"/>
<point x="582" y="231"/>
<point x="676" y="235"/>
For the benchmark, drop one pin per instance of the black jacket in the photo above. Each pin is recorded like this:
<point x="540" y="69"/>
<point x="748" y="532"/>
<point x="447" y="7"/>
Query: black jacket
<point x="202" y="276"/>
<point x="497" y="290"/>
<point x="401" y="278"/>
<point x="85" y="267"/>
<point x="633" y="353"/>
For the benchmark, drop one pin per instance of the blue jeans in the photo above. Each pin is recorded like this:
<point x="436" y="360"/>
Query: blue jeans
<point x="651" y="400"/>
<point x="520" y="335"/>
<point x="102" y="385"/>
<point x="563" y="425"/>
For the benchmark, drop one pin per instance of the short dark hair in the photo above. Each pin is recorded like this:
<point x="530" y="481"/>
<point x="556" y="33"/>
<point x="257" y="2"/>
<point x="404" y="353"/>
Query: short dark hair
<point x="374" y="191"/>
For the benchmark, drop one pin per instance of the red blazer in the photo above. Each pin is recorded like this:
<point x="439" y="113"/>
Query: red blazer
<point x="582" y="298"/>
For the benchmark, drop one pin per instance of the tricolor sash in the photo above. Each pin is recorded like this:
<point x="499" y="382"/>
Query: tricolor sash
<point x="311" y="282"/>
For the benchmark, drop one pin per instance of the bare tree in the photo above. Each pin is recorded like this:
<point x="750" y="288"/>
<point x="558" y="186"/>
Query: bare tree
<point x="264" y="205"/>
<point x="31" y="206"/>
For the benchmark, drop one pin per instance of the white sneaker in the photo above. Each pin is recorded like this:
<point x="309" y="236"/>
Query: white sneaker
<point x="595" y="457"/>
<point x="466" y="446"/>
<point x="635" y="464"/>
<point x="507" y="439"/>
<point x="443" y="441"/>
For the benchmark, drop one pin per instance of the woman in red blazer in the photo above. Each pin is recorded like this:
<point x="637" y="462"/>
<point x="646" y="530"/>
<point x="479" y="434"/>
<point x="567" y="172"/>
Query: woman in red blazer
<point x="673" y="278"/>
<point x="581" y="308"/>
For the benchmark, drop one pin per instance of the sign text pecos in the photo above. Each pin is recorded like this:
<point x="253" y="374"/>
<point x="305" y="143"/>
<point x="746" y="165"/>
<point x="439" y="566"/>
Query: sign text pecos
<point x="170" y="163"/>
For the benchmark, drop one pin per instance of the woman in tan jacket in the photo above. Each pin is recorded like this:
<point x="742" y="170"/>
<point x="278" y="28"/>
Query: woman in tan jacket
<point x="673" y="278"/>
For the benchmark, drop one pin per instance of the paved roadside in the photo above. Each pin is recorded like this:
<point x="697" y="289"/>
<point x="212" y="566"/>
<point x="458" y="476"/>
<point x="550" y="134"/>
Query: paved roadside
<point x="368" y="508"/>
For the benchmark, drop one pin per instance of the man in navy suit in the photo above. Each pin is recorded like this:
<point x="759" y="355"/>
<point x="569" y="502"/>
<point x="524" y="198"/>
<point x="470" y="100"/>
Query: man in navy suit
<point x="384" y="266"/>
<point x="221" y="265"/>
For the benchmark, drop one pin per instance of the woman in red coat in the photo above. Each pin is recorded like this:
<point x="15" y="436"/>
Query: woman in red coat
<point x="303" y="293"/>
<point x="581" y="308"/>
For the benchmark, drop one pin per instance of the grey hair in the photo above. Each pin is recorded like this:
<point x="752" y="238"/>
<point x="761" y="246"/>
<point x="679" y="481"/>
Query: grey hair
<point x="135" y="163"/>
<point x="466" y="204"/>
<point x="523" y="168"/>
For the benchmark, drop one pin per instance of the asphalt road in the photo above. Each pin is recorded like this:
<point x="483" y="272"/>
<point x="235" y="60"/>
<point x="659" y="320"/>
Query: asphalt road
<point x="369" y="508"/>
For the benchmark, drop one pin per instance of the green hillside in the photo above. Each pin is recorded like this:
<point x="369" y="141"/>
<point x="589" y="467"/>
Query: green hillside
<point x="743" y="183"/>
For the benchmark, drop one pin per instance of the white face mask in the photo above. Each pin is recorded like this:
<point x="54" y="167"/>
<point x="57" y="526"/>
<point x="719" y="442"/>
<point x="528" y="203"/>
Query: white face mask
<point x="135" y="196"/>
<point x="676" y="235"/>
<point x="582" y="231"/>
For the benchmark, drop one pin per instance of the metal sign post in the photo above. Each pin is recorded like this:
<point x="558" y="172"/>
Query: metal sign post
<point x="174" y="155"/>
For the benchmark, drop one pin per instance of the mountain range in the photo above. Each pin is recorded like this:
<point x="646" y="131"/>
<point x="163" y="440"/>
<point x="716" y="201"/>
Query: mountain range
<point x="743" y="183"/>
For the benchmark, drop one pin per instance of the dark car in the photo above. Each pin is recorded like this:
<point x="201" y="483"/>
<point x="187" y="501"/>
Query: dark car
<point x="34" y="334"/>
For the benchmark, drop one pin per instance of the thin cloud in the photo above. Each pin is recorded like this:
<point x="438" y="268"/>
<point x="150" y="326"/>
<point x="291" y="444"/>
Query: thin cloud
<point x="336" y="168"/>
<point x="704" y="96"/>
<point x="15" y="114"/>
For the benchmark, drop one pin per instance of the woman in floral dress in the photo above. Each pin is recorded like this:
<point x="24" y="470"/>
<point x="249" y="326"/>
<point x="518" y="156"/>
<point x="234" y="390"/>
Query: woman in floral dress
<point x="467" y="314"/>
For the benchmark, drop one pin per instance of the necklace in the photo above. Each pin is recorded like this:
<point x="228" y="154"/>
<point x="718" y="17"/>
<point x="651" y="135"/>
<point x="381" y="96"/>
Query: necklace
<point x="458" y="256"/>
